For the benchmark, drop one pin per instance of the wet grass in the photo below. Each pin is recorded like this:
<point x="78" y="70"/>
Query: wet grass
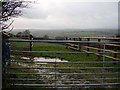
<point x="69" y="57"/>
<point x="56" y="47"/>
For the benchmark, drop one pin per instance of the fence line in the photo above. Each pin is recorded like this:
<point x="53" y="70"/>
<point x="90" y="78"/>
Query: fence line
<point x="99" y="46"/>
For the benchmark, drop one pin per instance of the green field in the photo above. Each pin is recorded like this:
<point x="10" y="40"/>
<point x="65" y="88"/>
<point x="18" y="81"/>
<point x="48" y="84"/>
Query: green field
<point x="38" y="46"/>
<point x="55" y="47"/>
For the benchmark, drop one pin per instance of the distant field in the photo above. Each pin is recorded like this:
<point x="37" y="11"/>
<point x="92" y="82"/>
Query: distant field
<point x="72" y="32"/>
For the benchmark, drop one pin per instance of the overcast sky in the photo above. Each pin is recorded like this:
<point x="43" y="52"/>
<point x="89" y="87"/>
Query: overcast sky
<point x="72" y="14"/>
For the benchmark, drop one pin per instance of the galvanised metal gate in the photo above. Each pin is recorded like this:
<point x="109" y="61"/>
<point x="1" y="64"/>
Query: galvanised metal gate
<point x="65" y="74"/>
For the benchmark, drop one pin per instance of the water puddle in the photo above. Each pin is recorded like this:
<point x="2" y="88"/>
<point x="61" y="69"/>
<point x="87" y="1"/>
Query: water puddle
<point x="43" y="60"/>
<point x="49" y="76"/>
<point x="25" y="58"/>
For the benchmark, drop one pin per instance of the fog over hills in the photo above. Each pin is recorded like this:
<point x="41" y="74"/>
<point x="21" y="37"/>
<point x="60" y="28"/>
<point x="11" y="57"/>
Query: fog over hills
<point x="71" y="32"/>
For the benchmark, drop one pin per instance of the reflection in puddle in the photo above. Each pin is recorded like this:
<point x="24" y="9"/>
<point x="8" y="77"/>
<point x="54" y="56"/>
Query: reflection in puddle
<point x="42" y="59"/>
<point x="25" y="58"/>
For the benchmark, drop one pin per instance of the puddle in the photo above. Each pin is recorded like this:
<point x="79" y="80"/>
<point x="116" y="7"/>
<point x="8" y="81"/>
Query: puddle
<point x="25" y="58"/>
<point x="47" y="78"/>
<point x="45" y="60"/>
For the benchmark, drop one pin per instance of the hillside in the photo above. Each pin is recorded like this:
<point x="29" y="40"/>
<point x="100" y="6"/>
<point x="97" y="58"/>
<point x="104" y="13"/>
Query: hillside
<point x="72" y="32"/>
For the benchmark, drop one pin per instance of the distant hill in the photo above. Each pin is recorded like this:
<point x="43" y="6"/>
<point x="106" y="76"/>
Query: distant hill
<point x="72" y="32"/>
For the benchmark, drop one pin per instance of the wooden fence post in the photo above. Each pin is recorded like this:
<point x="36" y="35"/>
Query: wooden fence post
<point x="74" y="44"/>
<point x="66" y="43"/>
<point x="99" y="46"/>
<point x="79" y="45"/>
<point x="31" y="38"/>
<point x="115" y="54"/>
<point x="88" y="39"/>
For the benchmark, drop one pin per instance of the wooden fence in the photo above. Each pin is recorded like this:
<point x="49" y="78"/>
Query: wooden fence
<point x="96" y="47"/>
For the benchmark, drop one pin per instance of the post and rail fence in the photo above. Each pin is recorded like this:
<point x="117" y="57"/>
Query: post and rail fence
<point x="105" y="47"/>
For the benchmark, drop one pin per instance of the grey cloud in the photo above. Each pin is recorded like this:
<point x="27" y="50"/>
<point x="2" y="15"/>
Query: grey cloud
<point x="73" y="15"/>
<point x="35" y="13"/>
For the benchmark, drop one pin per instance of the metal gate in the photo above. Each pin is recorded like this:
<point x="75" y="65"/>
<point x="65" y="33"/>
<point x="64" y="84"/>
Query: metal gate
<point x="63" y="74"/>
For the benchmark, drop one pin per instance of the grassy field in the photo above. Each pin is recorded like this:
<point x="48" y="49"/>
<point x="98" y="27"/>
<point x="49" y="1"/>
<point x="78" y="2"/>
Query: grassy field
<point x="53" y="47"/>
<point x="37" y="46"/>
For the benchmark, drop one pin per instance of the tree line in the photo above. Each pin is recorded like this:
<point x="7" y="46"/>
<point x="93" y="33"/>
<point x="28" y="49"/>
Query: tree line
<point x="26" y="34"/>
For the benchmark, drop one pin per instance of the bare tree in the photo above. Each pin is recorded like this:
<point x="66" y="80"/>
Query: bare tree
<point x="9" y="9"/>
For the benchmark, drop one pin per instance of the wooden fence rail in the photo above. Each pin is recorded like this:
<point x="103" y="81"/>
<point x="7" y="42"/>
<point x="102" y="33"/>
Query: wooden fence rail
<point x="97" y="47"/>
